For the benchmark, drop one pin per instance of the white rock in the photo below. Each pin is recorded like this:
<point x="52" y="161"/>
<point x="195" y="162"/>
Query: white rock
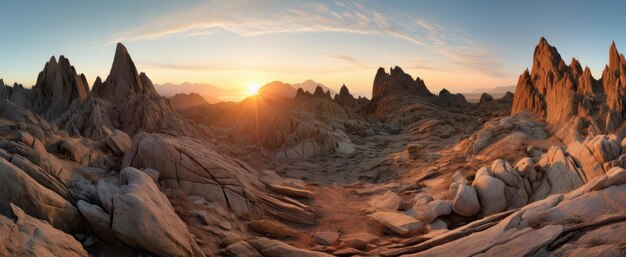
<point x="465" y="202"/>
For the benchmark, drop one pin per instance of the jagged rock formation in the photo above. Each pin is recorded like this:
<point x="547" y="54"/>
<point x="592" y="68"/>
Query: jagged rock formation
<point x="396" y="90"/>
<point x="126" y="100"/>
<point x="450" y="99"/>
<point x="484" y="97"/>
<point x="347" y="100"/>
<point x="123" y="80"/>
<point x="57" y="87"/>
<point x="396" y="81"/>
<point x="310" y="85"/>
<point x="344" y="97"/>
<point x="394" y="86"/>
<point x="286" y="129"/>
<point x="186" y="101"/>
<point x="562" y="93"/>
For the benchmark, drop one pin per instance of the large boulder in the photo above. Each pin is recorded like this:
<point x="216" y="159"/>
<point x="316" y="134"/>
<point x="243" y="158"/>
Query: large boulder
<point x="22" y="235"/>
<point x="119" y="142"/>
<point x="398" y="223"/>
<point x="465" y="202"/>
<point x="192" y="166"/>
<point x="189" y="165"/>
<point x="588" y="221"/>
<point x="436" y="209"/>
<point x="490" y="192"/>
<point x="142" y="217"/>
<point x="18" y="188"/>
<point x="389" y="201"/>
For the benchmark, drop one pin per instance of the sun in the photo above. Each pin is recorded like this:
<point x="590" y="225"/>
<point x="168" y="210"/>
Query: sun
<point x="252" y="89"/>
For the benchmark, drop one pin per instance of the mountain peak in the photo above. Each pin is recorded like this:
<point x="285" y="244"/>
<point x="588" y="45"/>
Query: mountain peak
<point x="546" y="58"/>
<point x="614" y="57"/>
<point x="124" y="80"/>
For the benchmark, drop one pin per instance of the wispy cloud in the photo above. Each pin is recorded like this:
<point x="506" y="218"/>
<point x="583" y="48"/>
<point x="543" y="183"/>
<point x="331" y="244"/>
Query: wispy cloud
<point x="227" y="67"/>
<point x="254" y="18"/>
<point x="349" y="59"/>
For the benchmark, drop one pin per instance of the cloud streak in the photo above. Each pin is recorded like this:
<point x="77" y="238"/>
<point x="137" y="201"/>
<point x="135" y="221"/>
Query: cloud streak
<point x="256" y="18"/>
<point x="349" y="60"/>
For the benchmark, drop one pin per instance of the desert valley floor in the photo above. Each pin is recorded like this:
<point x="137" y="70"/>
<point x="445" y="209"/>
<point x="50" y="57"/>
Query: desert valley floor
<point x="115" y="169"/>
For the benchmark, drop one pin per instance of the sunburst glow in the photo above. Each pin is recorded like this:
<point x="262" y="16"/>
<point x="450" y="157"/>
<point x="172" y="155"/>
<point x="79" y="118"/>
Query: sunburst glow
<point x="252" y="89"/>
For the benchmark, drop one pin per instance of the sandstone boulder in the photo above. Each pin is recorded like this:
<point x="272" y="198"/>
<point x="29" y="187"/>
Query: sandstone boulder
<point x="490" y="192"/>
<point x="24" y="236"/>
<point x="16" y="187"/>
<point x="398" y="223"/>
<point x="141" y="216"/>
<point x="465" y="202"/>
<point x="436" y="209"/>
<point x="389" y="201"/>
<point x="119" y="142"/>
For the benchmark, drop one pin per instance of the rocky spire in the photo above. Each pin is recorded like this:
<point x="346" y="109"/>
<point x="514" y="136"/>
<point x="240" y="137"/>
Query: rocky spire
<point x="58" y="85"/>
<point x="344" y="97"/>
<point x="123" y="79"/>
<point x="397" y="82"/>
<point x="344" y="90"/>
<point x="577" y="70"/>
<point x="560" y="93"/>
<point x="549" y="88"/>
<point x="614" y="58"/>
<point x="319" y="92"/>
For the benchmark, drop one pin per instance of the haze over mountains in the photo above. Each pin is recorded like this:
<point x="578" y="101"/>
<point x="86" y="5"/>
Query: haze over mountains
<point x="214" y="94"/>
<point x="120" y="170"/>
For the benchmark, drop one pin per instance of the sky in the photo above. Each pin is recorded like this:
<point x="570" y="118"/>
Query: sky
<point x="458" y="45"/>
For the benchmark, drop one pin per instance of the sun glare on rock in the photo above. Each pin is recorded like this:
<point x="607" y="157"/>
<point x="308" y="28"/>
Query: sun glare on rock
<point x="252" y="89"/>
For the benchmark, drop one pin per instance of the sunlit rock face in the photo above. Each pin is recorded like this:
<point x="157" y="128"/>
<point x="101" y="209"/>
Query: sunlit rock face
<point x="562" y="93"/>
<point x="394" y="86"/>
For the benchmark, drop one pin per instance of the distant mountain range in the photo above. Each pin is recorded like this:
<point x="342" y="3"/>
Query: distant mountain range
<point x="310" y="85"/>
<point x="209" y="92"/>
<point x="214" y="94"/>
<point x="496" y="92"/>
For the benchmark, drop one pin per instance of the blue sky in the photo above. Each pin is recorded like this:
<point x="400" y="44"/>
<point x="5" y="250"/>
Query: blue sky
<point x="460" y="45"/>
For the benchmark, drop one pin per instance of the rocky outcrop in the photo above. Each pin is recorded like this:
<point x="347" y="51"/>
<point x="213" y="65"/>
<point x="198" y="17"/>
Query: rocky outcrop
<point x="189" y="165"/>
<point x="126" y="100"/>
<point x="186" y="101"/>
<point x="562" y="93"/>
<point x="449" y="99"/>
<point x="484" y="98"/>
<point x="17" y="187"/>
<point x="123" y="80"/>
<point x="119" y="142"/>
<point x="396" y="81"/>
<point x="58" y="85"/>
<point x="569" y="224"/>
<point x="344" y="97"/>
<point x="395" y="84"/>
<point x="137" y="214"/>
<point x="22" y="235"/>
<point x="498" y="128"/>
